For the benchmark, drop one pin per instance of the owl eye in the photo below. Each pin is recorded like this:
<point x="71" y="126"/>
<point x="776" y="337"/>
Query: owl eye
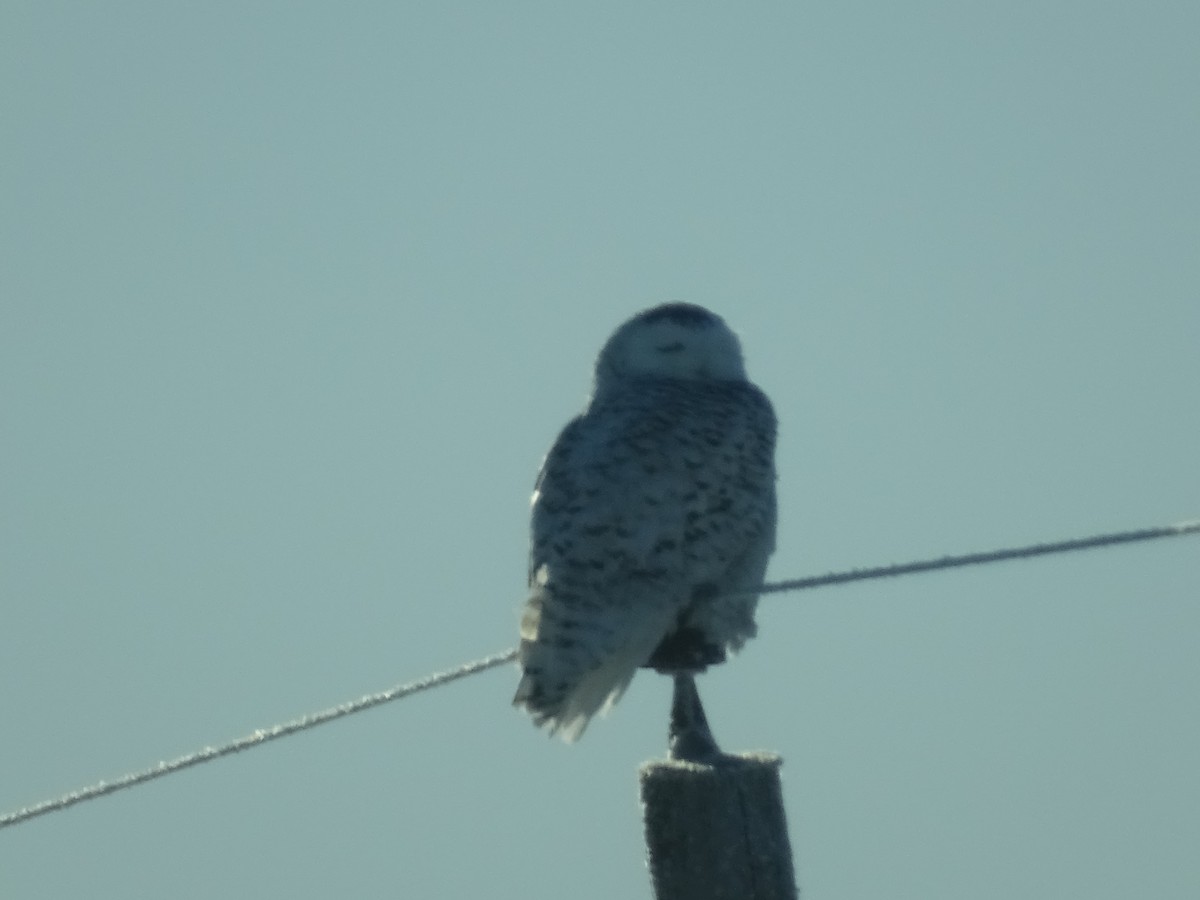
<point x="676" y="347"/>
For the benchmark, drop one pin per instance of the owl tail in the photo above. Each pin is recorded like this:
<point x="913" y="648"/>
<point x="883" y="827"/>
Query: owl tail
<point x="576" y="667"/>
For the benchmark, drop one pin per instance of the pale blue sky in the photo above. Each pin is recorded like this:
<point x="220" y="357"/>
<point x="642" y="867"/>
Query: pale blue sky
<point x="295" y="296"/>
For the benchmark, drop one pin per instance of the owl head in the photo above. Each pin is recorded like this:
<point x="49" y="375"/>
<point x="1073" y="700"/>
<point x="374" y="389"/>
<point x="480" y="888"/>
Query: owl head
<point x="675" y="340"/>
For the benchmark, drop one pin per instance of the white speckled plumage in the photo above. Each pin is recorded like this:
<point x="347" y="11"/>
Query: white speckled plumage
<point x="653" y="506"/>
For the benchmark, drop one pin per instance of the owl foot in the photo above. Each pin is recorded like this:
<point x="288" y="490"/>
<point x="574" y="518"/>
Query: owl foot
<point x="689" y="737"/>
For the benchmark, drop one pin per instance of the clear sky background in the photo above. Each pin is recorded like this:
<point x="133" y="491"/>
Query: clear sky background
<point x="295" y="296"/>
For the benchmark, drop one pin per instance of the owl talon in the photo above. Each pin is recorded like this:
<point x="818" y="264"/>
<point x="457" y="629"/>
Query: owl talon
<point x="689" y="737"/>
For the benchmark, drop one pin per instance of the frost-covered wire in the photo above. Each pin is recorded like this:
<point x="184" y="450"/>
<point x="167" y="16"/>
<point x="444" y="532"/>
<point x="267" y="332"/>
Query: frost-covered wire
<point x="312" y="720"/>
<point x="257" y="738"/>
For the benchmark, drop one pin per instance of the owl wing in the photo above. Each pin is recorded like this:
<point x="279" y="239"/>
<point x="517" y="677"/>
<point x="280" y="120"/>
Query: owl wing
<point x="635" y="508"/>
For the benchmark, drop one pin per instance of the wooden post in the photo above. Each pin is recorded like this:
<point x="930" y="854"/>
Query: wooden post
<point x="717" y="830"/>
<point x="715" y="825"/>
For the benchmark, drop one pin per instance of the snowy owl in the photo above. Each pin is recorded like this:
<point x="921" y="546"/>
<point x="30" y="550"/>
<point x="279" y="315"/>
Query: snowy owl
<point x="653" y="518"/>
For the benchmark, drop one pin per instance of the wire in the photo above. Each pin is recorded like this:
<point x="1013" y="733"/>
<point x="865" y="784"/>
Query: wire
<point x="257" y="738"/>
<point x="312" y="720"/>
<point x="991" y="556"/>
